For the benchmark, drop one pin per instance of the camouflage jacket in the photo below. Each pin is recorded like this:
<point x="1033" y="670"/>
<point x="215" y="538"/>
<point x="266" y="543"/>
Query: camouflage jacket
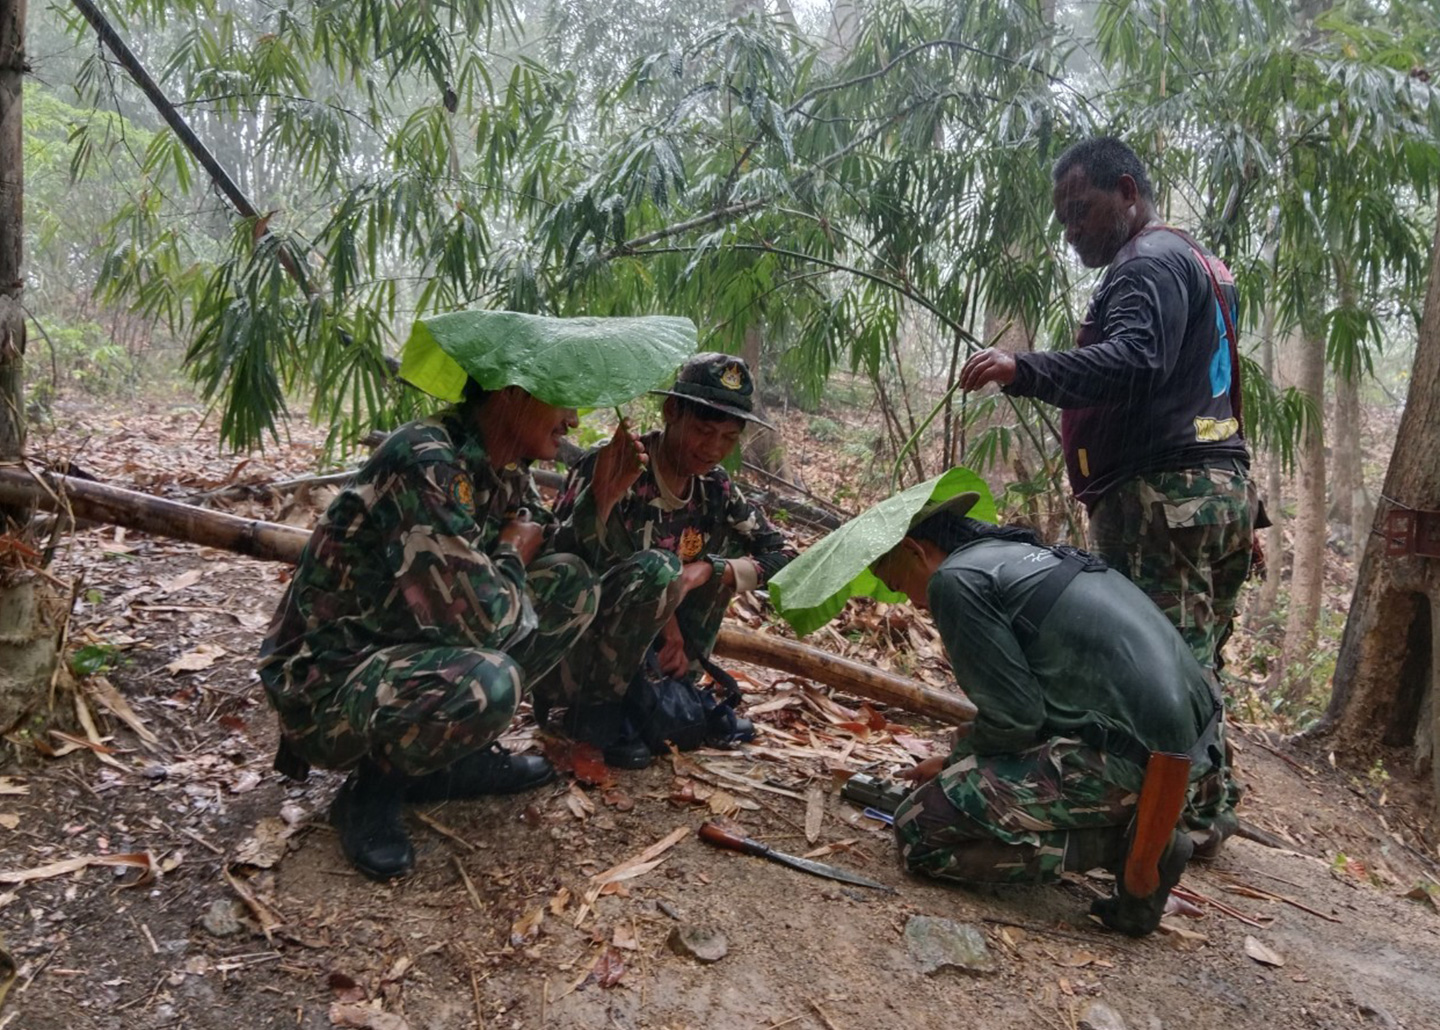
<point x="406" y="554"/>
<point x="714" y="522"/>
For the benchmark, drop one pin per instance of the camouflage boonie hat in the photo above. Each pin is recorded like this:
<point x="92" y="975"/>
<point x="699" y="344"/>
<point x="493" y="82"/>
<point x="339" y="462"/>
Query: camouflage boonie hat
<point x="719" y="381"/>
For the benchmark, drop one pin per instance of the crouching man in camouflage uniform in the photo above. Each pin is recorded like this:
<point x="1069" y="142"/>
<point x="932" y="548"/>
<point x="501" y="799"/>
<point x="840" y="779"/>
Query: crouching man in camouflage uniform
<point x="418" y="617"/>
<point x="688" y="528"/>
<point x="1069" y="710"/>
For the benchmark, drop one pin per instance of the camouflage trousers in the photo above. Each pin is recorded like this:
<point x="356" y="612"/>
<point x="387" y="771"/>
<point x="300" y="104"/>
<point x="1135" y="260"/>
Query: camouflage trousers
<point x="637" y="598"/>
<point x="1185" y="539"/>
<point x="419" y="708"/>
<point x="1028" y="816"/>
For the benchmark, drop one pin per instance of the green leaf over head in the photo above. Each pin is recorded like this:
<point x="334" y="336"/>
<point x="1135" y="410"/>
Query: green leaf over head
<point x="812" y="589"/>
<point x="568" y="362"/>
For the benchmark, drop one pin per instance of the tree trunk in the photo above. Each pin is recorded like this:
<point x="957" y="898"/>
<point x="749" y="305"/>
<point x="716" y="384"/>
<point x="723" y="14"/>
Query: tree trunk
<point x="32" y="610"/>
<point x="1274" y="541"/>
<point x="1308" y="575"/>
<point x="1352" y="506"/>
<point x="1389" y="667"/>
<point x="12" y="234"/>
<point x="763" y="447"/>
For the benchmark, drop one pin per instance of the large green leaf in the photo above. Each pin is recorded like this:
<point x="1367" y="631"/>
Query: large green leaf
<point x="568" y="362"/>
<point x="812" y="589"/>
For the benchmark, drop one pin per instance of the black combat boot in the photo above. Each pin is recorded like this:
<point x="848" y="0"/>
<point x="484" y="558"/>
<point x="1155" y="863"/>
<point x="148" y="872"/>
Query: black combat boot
<point x="608" y="726"/>
<point x="1140" y="916"/>
<point x="491" y="770"/>
<point x="366" y="814"/>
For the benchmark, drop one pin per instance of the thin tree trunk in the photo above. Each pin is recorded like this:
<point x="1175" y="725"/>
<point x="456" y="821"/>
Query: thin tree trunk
<point x="763" y="447"/>
<point x="1388" y="669"/>
<point x="1308" y="575"/>
<point x="1274" y="542"/>
<point x="1352" y="505"/>
<point x="12" y="235"/>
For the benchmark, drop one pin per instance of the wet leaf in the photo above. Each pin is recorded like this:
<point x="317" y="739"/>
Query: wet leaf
<point x="197" y="660"/>
<point x="814" y="812"/>
<point x="618" y="800"/>
<point x="1262" y="954"/>
<point x="608" y="968"/>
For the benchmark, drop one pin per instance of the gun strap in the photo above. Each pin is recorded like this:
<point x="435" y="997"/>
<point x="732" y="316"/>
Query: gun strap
<point x="1073" y="561"/>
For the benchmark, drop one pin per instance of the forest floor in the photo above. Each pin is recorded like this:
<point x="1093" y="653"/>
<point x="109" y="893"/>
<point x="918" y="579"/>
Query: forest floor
<point x="154" y="871"/>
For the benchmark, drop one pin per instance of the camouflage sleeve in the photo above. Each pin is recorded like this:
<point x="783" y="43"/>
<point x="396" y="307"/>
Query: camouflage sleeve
<point x="577" y="524"/>
<point x="462" y="586"/>
<point x="989" y="664"/>
<point x="760" y="539"/>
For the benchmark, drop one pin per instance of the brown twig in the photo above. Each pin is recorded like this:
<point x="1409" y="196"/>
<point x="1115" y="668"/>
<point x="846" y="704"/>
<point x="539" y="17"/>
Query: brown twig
<point x="475" y="994"/>
<point x="1219" y="906"/>
<point x="1246" y="890"/>
<point x="824" y="1018"/>
<point x="469" y="886"/>
<point x="443" y="830"/>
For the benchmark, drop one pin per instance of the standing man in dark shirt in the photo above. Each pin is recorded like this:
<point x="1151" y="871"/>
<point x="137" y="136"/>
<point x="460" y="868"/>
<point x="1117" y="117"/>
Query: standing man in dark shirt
<point x="1150" y="397"/>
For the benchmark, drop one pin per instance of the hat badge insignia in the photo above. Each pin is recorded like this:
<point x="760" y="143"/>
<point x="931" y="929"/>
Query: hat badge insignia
<point x="732" y="378"/>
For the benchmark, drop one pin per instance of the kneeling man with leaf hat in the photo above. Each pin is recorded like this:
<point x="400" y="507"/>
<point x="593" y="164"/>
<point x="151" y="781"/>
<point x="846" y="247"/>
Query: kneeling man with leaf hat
<point x="1079" y="681"/>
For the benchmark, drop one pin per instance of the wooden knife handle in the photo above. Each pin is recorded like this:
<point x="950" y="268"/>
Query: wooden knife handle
<point x="713" y="833"/>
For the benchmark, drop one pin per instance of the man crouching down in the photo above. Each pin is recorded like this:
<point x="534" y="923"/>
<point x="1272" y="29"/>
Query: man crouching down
<point x="419" y="615"/>
<point x="1076" y="684"/>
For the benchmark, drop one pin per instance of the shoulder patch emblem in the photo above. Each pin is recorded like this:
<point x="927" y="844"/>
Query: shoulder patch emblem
<point x="731" y="378"/>
<point x="692" y="542"/>
<point x="463" y="494"/>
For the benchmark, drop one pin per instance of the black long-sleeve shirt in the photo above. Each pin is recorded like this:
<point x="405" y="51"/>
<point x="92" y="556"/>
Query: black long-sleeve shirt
<point x="1148" y="386"/>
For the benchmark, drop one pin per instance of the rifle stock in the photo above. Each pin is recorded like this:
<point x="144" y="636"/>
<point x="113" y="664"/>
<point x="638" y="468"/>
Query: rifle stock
<point x="1162" y="799"/>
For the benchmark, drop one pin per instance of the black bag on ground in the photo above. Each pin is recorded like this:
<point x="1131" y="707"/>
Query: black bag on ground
<point x="668" y="711"/>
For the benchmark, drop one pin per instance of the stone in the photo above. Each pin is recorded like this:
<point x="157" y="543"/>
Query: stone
<point x="699" y="942"/>
<point x="936" y="943"/>
<point x="1096" y="1015"/>
<point x="220" y="920"/>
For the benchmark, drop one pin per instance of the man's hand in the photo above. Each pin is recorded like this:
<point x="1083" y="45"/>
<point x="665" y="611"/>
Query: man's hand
<point x="988" y="366"/>
<point x="925" y="771"/>
<point x="695" y="574"/>
<point x="617" y="466"/>
<point x="673" y="659"/>
<point x="523" y="535"/>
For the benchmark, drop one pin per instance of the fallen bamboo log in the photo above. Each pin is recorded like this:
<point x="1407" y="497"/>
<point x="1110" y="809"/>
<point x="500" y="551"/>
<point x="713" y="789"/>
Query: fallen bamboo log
<point x="271" y="541"/>
<point x="745" y="645"/>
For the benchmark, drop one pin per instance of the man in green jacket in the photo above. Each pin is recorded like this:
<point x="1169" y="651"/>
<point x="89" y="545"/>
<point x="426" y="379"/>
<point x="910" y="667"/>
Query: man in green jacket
<point x="1071" y="701"/>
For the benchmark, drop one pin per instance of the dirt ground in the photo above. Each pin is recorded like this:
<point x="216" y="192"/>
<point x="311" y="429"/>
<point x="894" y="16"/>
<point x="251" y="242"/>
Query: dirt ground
<point x="245" y="914"/>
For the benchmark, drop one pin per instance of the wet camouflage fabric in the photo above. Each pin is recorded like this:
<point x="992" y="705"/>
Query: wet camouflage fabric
<point x="406" y="608"/>
<point x="716" y="521"/>
<point x="1185" y="538"/>
<point x="1028" y="816"/>
<point x="422" y="708"/>
<point x="637" y="597"/>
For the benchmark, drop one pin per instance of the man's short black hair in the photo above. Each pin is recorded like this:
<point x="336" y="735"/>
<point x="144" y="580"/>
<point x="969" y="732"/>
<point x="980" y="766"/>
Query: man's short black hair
<point x="948" y="531"/>
<point x="703" y="412"/>
<point x="474" y="395"/>
<point x="1104" y="159"/>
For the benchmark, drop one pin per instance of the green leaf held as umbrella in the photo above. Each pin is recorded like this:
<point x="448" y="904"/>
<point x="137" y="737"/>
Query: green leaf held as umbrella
<point x="567" y="362"/>
<point x="812" y="589"/>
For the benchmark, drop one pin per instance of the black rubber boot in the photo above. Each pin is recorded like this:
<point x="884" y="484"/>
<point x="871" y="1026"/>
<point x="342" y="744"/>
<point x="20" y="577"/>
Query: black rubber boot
<point x="491" y="770"/>
<point x="366" y="814"/>
<point x="607" y="726"/>
<point x="1140" y="916"/>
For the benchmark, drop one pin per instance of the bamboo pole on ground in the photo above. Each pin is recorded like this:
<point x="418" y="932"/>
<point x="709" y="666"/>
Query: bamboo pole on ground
<point x="271" y="541"/>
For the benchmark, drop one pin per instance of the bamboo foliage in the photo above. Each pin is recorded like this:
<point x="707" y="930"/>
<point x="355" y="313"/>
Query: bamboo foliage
<point x="428" y="156"/>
